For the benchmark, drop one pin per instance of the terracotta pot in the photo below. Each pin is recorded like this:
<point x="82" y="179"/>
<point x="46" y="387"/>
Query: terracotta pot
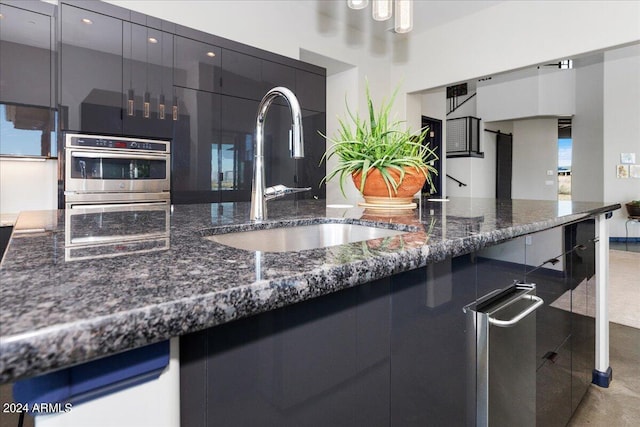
<point x="376" y="191"/>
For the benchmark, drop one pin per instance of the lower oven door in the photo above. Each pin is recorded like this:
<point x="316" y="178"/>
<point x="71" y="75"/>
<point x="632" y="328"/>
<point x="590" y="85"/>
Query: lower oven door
<point x="109" y="229"/>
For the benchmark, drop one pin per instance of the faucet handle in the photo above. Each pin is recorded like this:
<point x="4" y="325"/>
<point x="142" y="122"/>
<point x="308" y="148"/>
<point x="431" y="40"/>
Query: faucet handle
<point x="281" y="190"/>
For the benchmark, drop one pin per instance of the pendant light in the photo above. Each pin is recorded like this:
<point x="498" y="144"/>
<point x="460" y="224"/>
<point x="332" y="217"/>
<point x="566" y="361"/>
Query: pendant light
<point x="357" y="4"/>
<point x="381" y="10"/>
<point x="404" y="16"/>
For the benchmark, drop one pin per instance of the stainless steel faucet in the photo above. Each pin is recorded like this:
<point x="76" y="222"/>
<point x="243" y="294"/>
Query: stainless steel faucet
<point x="260" y="194"/>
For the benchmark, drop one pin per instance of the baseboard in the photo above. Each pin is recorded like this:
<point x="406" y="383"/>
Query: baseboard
<point x="624" y="239"/>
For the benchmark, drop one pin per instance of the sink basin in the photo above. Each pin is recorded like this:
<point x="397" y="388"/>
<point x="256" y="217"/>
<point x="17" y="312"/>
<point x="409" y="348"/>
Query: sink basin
<point x="301" y="237"/>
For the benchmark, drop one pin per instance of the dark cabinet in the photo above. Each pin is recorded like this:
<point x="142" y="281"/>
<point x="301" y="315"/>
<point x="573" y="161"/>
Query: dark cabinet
<point x="195" y="146"/>
<point x="391" y="352"/>
<point x="432" y="357"/>
<point x="311" y="90"/>
<point x="197" y="65"/>
<point x="26" y="58"/>
<point x="235" y="152"/>
<point x="27" y="96"/>
<point x="310" y="170"/>
<point x="316" y="363"/>
<point x="241" y="75"/>
<point x="274" y="75"/>
<point x="91" y="52"/>
<point x="148" y="82"/>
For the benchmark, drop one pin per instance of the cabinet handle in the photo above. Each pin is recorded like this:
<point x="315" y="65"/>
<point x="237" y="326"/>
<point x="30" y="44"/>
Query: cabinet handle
<point x="521" y="315"/>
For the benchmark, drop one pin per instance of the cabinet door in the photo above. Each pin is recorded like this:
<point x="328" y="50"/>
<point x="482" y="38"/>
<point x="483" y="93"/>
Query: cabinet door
<point x="322" y="362"/>
<point x="274" y="75"/>
<point x="311" y="90"/>
<point x="553" y="389"/>
<point x="195" y="147"/>
<point x="236" y="148"/>
<point x="25" y="57"/>
<point x="91" y="71"/>
<point x="581" y="265"/>
<point x="148" y="82"/>
<point x="241" y="75"/>
<point x="197" y="65"/>
<point x="310" y="170"/>
<point x="432" y="356"/>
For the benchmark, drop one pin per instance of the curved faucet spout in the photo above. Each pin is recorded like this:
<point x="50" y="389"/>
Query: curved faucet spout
<point x="296" y="146"/>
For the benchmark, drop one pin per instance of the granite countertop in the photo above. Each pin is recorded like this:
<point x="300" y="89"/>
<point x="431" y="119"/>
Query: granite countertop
<point x="61" y="305"/>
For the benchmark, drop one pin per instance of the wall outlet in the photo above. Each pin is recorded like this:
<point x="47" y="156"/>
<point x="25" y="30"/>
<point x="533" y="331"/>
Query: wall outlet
<point x="528" y="240"/>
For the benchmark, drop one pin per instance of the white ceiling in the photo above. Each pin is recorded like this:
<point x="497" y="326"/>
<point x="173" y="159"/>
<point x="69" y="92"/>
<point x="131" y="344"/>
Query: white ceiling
<point x="427" y="14"/>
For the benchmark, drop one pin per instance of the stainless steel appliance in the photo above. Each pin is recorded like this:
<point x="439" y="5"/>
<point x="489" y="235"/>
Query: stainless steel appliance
<point x="503" y="326"/>
<point x="108" y="169"/>
<point x="117" y="195"/>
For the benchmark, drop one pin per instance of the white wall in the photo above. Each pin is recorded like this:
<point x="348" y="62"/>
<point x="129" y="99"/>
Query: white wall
<point x="513" y="35"/>
<point x="535" y="151"/>
<point x="28" y="185"/>
<point x="621" y="130"/>
<point x="587" y="134"/>
<point x="527" y="93"/>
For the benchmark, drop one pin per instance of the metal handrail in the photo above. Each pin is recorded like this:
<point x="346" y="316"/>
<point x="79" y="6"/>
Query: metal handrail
<point x="460" y="183"/>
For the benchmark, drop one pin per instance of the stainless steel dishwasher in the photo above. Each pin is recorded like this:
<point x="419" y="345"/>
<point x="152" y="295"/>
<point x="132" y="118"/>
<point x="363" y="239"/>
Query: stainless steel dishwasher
<point x="502" y="325"/>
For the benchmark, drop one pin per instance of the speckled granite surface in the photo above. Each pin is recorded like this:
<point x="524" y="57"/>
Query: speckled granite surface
<point x="61" y="306"/>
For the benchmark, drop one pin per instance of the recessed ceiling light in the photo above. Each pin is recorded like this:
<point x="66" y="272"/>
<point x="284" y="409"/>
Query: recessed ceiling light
<point x="211" y="54"/>
<point x="87" y="21"/>
<point x="153" y="40"/>
<point x="1" y="16"/>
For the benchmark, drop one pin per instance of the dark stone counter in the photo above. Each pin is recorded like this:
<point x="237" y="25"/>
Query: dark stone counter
<point x="62" y="306"/>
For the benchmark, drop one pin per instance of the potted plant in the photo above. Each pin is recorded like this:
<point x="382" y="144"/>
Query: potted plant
<point x="633" y="208"/>
<point x="387" y="162"/>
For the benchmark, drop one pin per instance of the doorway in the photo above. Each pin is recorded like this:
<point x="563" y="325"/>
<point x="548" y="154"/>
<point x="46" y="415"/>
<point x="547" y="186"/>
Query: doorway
<point x="434" y="140"/>
<point x="565" y="145"/>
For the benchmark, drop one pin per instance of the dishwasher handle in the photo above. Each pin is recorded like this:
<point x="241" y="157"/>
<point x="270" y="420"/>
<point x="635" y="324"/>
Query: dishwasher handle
<point x="519" y="316"/>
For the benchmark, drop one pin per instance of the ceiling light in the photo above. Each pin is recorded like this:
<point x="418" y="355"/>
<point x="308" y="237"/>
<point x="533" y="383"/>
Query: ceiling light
<point x="153" y="40"/>
<point x="404" y="16"/>
<point x="87" y="21"/>
<point x="1" y="16"/>
<point x="357" y="4"/>
<point x="381" y="10"/>
<point x="211" y="54"/>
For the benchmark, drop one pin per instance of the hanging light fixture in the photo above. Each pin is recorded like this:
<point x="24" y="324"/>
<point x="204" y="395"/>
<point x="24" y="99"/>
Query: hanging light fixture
<point x="404" y="16"/>
<point x="381" y="10"/>
<point x="357" y="4"/>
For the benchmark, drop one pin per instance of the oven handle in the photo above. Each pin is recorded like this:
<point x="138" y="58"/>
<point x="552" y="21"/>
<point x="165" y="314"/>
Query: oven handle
<point x="81" y="205"/>
<point x="103" y="155"/>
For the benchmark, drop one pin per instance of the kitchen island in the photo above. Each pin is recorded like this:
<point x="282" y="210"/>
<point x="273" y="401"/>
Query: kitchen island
<point x="59" y="310"/>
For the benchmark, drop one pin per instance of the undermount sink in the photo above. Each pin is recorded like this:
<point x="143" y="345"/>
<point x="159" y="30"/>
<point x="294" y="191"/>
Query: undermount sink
<point x="301" y="237"/>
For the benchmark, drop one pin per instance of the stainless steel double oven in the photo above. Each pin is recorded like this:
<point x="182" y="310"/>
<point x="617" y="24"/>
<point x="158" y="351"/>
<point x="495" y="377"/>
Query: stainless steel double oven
<point x="117" y="195"/>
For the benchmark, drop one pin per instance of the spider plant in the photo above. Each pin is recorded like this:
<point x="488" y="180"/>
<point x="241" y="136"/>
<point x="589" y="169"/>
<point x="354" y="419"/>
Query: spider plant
<point x="378" y="142"/>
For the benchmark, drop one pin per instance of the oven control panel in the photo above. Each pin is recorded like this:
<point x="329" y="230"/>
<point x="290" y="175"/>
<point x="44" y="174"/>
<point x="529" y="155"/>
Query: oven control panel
<point x="119" y="143"/>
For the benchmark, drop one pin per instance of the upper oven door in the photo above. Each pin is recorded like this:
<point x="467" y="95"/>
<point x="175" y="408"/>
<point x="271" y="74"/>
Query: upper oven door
<point x="99" y="170"/>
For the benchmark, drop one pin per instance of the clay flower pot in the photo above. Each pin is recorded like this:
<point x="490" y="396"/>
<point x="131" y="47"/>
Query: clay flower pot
<point x="376" y="192"/>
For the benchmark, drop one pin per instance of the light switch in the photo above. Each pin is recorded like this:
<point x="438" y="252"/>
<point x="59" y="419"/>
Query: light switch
<point x="548" y="183"/>
<point x="550" y="172"/>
